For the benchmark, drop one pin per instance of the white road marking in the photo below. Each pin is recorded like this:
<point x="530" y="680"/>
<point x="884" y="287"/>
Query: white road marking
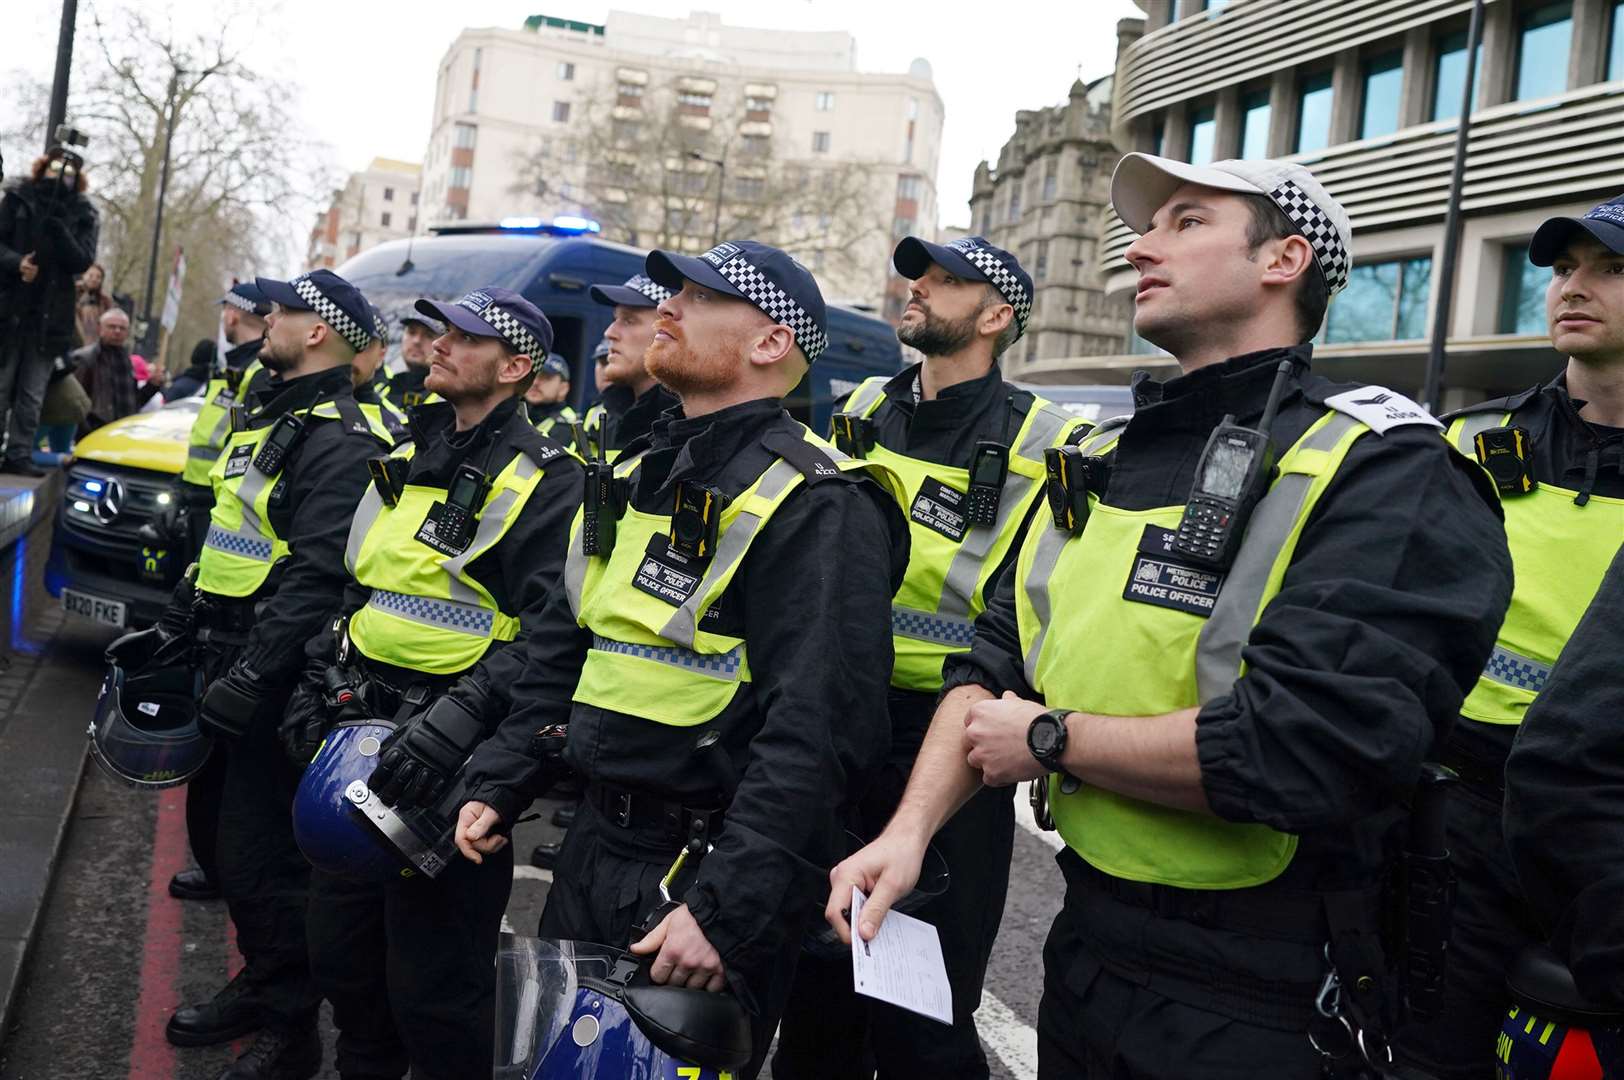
<point x="1024" y="818"/>
<point x="1008" y="1036"/>
<point x="531" y="873"/>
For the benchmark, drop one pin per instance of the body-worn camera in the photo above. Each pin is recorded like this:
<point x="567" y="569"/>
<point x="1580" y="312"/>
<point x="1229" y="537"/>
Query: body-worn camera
<point x="1505" y="455"/>
<point x="695" y="520"/>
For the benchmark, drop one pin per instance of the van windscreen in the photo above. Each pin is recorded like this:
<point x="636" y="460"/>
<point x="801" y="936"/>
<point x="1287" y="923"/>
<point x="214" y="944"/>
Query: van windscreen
<point x="444" y="268"/>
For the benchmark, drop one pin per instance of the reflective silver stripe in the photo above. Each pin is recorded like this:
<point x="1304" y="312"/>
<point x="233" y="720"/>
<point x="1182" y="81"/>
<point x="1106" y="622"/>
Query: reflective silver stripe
<point x="1051" y="541"/>
<point x="1474" y="425"/>
<point x="1104" y="435"/>
<point x="684" y="622"/>
<point x="442" y="614"/>
<point x="866" y="398"/>
<point x="575" y="561"/>
<point x="366" y="515"/>
<point x="722" y="666"/>
<point x="210" y="454"/>
<point x="928" y="626"/>
<point x="245" y="544"/>
<point x="1513" y="669"/>
<point x="1218" y="649"/>
<point x="1043" y="427"/>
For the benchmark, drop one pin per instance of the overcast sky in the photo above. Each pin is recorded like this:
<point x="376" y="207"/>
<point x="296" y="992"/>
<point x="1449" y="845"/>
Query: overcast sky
<point x="361" y="73"/>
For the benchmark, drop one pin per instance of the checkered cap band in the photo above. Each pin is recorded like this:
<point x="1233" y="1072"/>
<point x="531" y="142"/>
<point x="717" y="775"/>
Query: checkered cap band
<point x="649" y="288"/>
<point x="512" y="331"/>
<point x="778" y="305"/>
<point x="1318" y="229"/>
<point x="380" y="329"/>
<point x="330" y="313"/>
<point x="1002" y="280"/>
<point x="239" y="302"/>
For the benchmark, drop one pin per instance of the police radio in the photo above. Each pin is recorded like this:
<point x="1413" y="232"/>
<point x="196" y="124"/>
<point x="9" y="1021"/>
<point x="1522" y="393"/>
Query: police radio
<point x="695" y="520"/>
<point x="468" y="490"/>
<point x="1503" y="452"/>
<point x="273" y="453"/>
<point x="1231" y="478"/>
<point x="989" y="467"/>
<point x="602" y="503"/>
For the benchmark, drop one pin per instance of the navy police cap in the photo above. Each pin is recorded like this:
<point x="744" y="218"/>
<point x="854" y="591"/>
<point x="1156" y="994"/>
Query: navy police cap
<point x="500" y="313"/>
<point x="245" y="296"/>
<point x="971" y="258"/>
<point x="380" y="328"/>
<point x="640" y="290"/>
<point x="556" y="365"/>
<point x="1604" y="222"/>
<point x="335" y="301"/>
<point x="781" y="288"/>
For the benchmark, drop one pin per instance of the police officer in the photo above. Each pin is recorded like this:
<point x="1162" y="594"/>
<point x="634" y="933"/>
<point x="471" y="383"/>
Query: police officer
<point x="269" y="576"/>
<point x="703" y="708"/>
<point x="1230" y="662"/>
<point x="969" y="447"/>
<point x="242" y="320"/>
<point x="1556" y="452"/>
<point x="409" y="967"/>
<point x="417" y="335"/>
<point x="548" y="400"/>
<point x="364" y="375"/>
<point x="631" y="399"/>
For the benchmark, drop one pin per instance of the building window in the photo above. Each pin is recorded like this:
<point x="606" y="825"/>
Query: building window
<point x="462" y="136"/>
<point x="1385" y="301"/>
<point x="384" y="219"/>
<point x="630" y="94"/>
<point x="388" y="194"/>
<point x="561" y="112"/>
<point x="1615" y="50"/>
<point x="411" y="223"/>
<point x="755" y="145"/>
<point x="461" y="176"/>
<point x="1544" y="37"/>
<point x="758" y="104"/>
<point x="750" y="187"/>
<point x="414" y="198"/>
<point x="1203" y="133"/>
<point x="1313" y="113"/>
<point x="1522" y="293"/>
<point x="1040" y="265"/>
<point x="473" y="100"/>
<point x="1158" y="126"/>
<point x="695" y="101"/>
<point x="820" y="142"/>
<point x="1255" y="124"/>
<point x="910" y="187"/>
<point x="1213" y="7"/>
<point x="1383" y="77"/>
<point x="826" y="100"/>
<point x="1051" y="178"/>
<point x="566" y="71"/>
<point x="913" y="108"/>
<point x="1449" y="75"/>
<point x="1014" y="202"/>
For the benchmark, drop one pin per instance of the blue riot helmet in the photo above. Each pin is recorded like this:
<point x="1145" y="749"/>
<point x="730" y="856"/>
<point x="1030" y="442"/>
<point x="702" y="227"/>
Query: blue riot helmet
<point x="424" y="837"/>
<point x="570" y="1010"/>
<point x="329" y="832"/>
<point x="144" y="732"/>
<point x="1552" y="1031"/>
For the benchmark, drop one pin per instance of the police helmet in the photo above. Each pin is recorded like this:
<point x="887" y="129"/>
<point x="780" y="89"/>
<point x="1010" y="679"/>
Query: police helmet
<point x="144" y="732"/>
<point x="329" y="832"/>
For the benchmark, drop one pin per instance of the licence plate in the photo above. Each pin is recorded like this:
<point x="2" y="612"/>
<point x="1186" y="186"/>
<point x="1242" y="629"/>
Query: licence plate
<point x="94" y="608"/>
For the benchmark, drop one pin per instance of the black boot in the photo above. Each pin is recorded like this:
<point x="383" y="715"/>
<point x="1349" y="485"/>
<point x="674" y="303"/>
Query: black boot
<point x="545" y="856"/>
<point x="228" y="1015"/>
<point x="193" y="884"/>
<point x="279" y="1054"/>
<point x="564" y="816"/>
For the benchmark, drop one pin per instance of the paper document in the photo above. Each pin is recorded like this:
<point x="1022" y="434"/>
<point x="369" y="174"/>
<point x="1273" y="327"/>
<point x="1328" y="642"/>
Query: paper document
<point x="903" y="964"/>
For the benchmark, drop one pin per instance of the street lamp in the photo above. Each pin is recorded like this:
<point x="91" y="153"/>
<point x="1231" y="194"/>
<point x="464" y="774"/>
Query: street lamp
<point x="150" y="338"/>
<point x="721" y="180"/>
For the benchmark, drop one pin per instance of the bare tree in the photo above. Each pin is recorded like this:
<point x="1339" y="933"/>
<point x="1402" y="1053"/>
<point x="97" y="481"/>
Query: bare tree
<point x="644" y="168"/>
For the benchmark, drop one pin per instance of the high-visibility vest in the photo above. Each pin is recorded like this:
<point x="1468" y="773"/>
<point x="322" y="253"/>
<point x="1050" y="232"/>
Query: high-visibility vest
<point x="213" y="422"/>
<point x="1560" y="550"/>
<point x="950" y="563"/>
<point x="426" y="612"/>
<point x="592" y="433"/>
<point x="1087" y="648"/>
<point x="242" y="546"/>
<point x="383" y="416"/>
<point x="646" y="605"/>
<point x="560" y="425"/>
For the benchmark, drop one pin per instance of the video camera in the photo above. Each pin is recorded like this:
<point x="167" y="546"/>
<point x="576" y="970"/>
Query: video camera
<point x="66" y="162"/>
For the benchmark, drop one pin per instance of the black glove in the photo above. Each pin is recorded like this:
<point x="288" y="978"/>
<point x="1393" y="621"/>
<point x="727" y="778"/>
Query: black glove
<point x="234" y="702"/>
<point x="179" y="619"/>
<point x="422" y="756"/>
<point x="318" y="702"/>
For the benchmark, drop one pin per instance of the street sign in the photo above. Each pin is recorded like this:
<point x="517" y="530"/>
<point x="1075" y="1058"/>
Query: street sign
<point x="172" y="298"/>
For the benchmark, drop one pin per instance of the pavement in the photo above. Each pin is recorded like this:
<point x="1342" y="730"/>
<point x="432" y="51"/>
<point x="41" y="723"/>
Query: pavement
<point x="95" y="955"/>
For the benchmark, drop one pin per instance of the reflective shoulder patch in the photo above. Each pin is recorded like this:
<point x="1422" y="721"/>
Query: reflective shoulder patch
<point x="1381" y="409"/>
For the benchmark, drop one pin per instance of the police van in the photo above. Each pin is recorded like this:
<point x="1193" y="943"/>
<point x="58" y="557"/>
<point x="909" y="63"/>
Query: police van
<point x="99" y="568"/>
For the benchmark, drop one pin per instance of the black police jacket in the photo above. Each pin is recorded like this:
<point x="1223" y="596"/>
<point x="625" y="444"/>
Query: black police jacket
<point x="812" y="598"/>
<point x="310" y="506"/>
<point x="627" y="418"/>
<point x="521" y="571"/>
<point x="1564" y="807"/>
<point x="1358" y="667"/>
<point x="944" y="430"/>
<point x="405" y="387"/>
<point x="61" y="230"/>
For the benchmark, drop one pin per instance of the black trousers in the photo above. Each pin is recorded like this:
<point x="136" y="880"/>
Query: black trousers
<point x="1492" y="924"/>
<point x="203" y="794"/>
<point x="1130" y="995"/>
<point x="410" y="968"/>
<point x="830" y="1033"/>
<point x="25" y="373"/>
<point x="603" y="886"/>
<point x="262" y="874"/>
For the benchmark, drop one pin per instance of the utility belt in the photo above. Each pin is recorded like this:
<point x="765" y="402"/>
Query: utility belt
<point x="223" y="620"/>
<point x="657" y="820"/>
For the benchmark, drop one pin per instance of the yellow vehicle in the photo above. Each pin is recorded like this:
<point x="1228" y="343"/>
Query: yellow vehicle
<point x="121" y="477"/>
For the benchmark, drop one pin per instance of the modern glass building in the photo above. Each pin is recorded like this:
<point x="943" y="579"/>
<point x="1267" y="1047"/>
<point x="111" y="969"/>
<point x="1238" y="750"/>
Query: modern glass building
<point x="1367" y="93"/>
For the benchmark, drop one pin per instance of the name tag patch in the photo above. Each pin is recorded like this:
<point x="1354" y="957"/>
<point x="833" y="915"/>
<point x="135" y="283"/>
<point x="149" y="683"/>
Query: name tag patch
<point x="224" y="399"/>
<point x="939" y="508"/>
<point x="1157" y="579"/>
<point x="238" y="462"/>
<point x="665" y="574"/>
<point x="430" y="533"/>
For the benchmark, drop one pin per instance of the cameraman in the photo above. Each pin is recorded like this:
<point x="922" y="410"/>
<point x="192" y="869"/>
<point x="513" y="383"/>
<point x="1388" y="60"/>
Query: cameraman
<point x="47" y="237"/>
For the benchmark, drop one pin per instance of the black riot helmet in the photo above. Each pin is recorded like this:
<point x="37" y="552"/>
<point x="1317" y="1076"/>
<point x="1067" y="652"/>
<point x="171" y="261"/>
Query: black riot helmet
<point x="145" y="731"/>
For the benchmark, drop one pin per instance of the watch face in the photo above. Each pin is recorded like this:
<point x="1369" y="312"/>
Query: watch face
<point x="1045" y="737"/>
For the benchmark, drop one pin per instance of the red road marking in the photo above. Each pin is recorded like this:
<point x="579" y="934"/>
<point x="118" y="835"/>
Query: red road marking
<point x="151" y="1056"/>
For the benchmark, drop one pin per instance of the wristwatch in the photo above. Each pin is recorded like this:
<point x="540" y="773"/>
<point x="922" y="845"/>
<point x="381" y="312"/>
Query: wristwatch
<point x="1046" y="738"/>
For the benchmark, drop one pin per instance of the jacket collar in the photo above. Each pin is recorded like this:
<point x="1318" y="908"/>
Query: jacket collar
<point x="1239" y="387"/>
<point x="701" y="447"/>
<point x="953" y="407"/>
<point x="278" y="396"/>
